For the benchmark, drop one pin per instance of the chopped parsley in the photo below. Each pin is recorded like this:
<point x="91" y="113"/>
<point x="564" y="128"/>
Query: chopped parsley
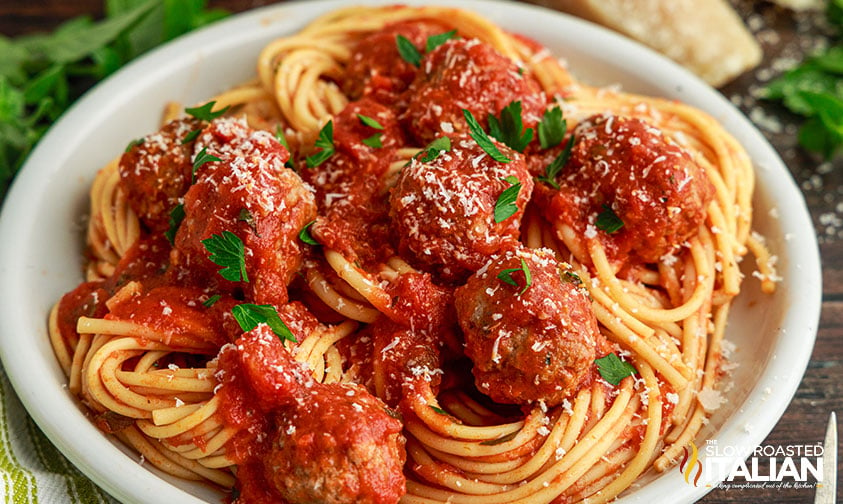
<point x="505" y="207"/>
<point x="227" y="250"/>
<point x="509" y="129"/>
<point x="435" y="148"/>
<point x="482" y="139"/>
<point x="246" y="216"/>
<point x="408" y="51"/>
<point x="438" y="410"/>
<point x="552" y="170"/>
<point x="191" y="136"/>
<point x="608" y="220"/>
<point x="211" y="301"/>
<point x="249" y="315"/>
<point x="201" y="159"/>
<point x="552" y="128"/>
<point x="370" y="122"/>
<point x="325" y="141"/>
<point x="305" y="236"/>
<point x="500" y="440"/>
<point x="279" y="135"/>
<point x="176" y="217"/>
<point x="134" y="143"/>
<point x="435" y="41"/>
<point x="373" y="141"/>
<point x="613" y="369"/>
<point x="570" y="277"/>
<point x="204" y="112"/>
<point x="505" y="276"/>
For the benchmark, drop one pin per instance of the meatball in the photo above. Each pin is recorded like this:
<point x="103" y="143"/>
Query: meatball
<point x="654" y="187"/>
<point x="338" y="445"/>
<point x="331" y="443"/>
<point x="467" y="74"/>
<point x="377" y="70"/>
<point x="443" y="209"/>
<point x="249" y="193"/>
<point x="156" y="171"/>
<point x="532" y="341"/>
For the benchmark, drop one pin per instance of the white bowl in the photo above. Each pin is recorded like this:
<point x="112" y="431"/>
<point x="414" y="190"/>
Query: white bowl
<point x="42" y="218"/>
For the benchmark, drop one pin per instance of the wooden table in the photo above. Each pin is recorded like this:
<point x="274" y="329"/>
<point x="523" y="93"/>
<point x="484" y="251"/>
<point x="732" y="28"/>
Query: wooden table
<point x="821" y="390"/>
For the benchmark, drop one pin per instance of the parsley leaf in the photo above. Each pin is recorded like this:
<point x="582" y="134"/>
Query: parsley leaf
<point x="552" y="128"/>
<point x="227" y="250"/>
<point x="134" y="143"/>
<point x="613" y="369"/>
<point x="508" y="129"/>
<point x="552" y="170"/>
<point x="211" y="301"/>
<point x="176" y="217"/>
<point x="305" y="236"/>
<point x="191" y="136"/>
<point x="608" y="220"/>
<point x="279" y="135"/>
<point x="505" y="207"/>
<point x="505" y="276"/>
<point x="435" y="41"/>
<point x="246" y="216"/>
<point x="368" y="121"/>
<point x="249" y="315"/>
<point x="408" y="51"/>
<point x="482" y="139"/>
<point x="325" y="141"/>
<point x="204" y="112"/>
<point x="435" y="148"/>
<point x="373" y="141"/>
<point x="202" y="158"/>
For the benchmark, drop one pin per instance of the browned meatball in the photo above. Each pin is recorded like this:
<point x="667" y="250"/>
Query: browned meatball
<point x="533" y="341"/>
<point x="327" y="443"/>
<point x="338" y="445"/>
<point x="250" y="193"/>
<point x="443" y="210"/>
<point x="654" y="187"/>
<point x="155" y="172"/>
<point x="467" y="74"/>
<point x="376" y="68"/>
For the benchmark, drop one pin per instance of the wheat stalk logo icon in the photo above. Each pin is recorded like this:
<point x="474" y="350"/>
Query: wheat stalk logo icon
<point x="691" y="461"/>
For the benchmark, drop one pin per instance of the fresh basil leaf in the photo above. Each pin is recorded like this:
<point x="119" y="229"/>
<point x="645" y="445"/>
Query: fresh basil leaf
<point x="408" y="51"/>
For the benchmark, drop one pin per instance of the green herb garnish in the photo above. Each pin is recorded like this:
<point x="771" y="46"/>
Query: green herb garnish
<point x="370" y="122"/>
<point x="552" y="170"/>
<point x="435" y="41"/>
<point x="435" y="148"/>
<point x="205" y="112"/>
<point x="211" y="301"/>
<point x="279" y="135"/>
<point x="176" y="217"/>
<point x="482" y="139"/>
<point x="134" y="143"/>
<point x="325" y="141"/>
<point x="202" y="158"/>
<point x="509" y="129"/>
<point x="249" y="315"/>
<point x="408" y="51"/>
<point x="613" y="369"/>
<point x="305" y="236"/>
<point x="500" y="440"/>
<point x="608" y="220"/>
<point x="552" y="128"/>
<point x="505" y="276"/>
<point x="505" y="207"/>
<point x="227" y="250"/>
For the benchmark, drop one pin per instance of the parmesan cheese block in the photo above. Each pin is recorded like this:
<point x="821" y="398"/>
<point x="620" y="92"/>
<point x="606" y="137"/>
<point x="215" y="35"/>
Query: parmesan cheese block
<point x="705" y="36"/>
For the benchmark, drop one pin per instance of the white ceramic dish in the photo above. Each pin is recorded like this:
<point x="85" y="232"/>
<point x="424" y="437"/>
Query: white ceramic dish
<point x="42" y="238"/>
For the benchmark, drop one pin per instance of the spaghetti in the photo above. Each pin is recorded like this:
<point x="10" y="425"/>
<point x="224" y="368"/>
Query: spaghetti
<point x="437" y="269"/>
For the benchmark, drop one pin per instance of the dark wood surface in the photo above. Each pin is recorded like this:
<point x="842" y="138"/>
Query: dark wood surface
<point x="785" y="37"/>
